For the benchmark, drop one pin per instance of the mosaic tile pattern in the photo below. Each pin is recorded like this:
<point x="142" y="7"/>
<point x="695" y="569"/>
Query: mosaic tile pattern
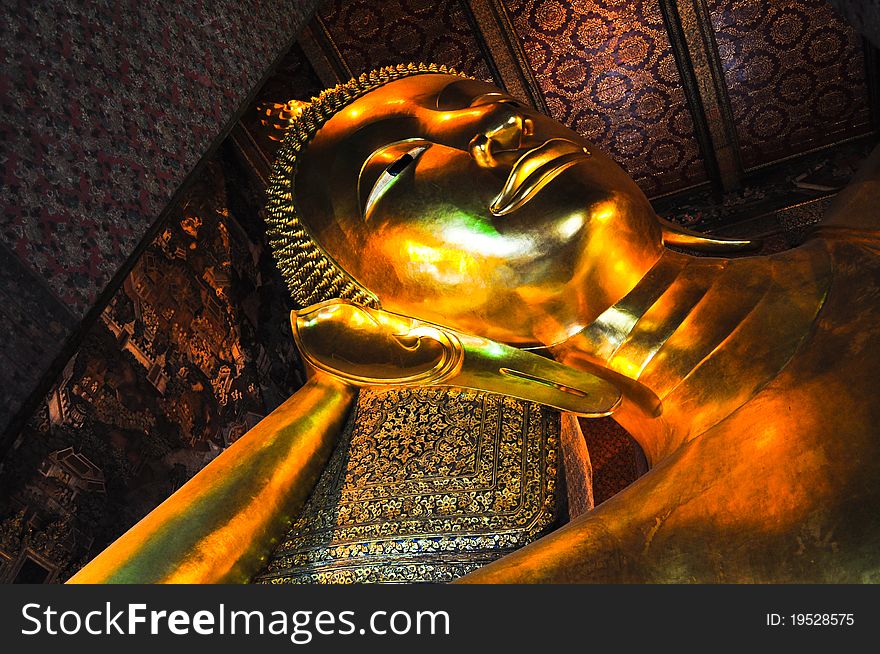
<point x="34" y="325"/>
<point x="371" y="35"/>
<point x="190" y="353"/>
<point x="607" y="71"/>
<point x="795" y="75"/>
<point x="98" y="129"/>
<point x="105" y="107"/>
<point x="425" y="485"/>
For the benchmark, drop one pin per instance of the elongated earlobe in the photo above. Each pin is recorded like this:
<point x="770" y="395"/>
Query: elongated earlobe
<point x="679" y="236"/>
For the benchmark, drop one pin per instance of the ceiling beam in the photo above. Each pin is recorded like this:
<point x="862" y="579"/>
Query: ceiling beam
<point x="323" y="55"/>
<point x="504" y="52"/>
<point x="693" y="42"/>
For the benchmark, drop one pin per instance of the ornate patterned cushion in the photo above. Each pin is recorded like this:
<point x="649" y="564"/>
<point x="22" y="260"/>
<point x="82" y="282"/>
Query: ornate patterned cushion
<point x="424" y="486"/>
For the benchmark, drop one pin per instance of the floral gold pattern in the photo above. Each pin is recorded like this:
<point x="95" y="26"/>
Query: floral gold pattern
<point x="425" y="486"/>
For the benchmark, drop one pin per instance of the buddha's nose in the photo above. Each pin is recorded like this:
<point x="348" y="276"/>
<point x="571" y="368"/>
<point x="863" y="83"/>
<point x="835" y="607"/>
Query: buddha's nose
<point x="504" y="135"/>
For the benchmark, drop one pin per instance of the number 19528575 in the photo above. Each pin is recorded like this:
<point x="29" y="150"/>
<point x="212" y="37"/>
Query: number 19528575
<point x="811" y="620"/>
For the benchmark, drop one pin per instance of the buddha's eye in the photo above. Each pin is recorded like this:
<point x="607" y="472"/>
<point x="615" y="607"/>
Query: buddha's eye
<point x="391" y="174"/>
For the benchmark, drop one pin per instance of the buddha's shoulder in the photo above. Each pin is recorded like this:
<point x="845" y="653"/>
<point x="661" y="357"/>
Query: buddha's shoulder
<point x="857" y="206"/>
<point x="848" y="257"/>
<point x="846" y="329"/>
<point x="829" y="383"/>
<point x="846" y="243"/>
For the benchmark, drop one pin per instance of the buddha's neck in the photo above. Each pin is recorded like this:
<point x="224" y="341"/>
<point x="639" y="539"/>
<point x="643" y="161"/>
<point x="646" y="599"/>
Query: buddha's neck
<point x="704" y="335"/>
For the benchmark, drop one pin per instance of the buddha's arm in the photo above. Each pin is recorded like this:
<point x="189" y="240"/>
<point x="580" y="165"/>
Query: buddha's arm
<point x="221" y="524"/>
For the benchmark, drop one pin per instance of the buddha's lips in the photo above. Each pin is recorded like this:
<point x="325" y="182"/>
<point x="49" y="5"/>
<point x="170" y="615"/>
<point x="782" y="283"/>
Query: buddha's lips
<point x="533" y="171"/>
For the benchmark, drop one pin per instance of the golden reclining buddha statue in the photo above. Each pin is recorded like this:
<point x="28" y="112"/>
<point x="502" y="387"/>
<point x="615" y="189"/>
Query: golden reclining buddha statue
<point x="472" y="275"/>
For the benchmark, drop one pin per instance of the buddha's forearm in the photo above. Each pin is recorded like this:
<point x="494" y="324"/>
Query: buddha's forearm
<point x="220" y="525"/>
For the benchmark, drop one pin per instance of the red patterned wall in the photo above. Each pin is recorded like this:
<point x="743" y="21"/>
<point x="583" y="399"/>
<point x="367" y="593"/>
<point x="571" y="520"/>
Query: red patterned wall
<point x="105" y="107"/>
<point x="795" y="74"/>
<point x="607" y="70"/>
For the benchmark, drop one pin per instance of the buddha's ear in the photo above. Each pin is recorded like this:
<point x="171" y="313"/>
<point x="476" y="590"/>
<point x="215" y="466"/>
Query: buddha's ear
<point x="679" y="236"/>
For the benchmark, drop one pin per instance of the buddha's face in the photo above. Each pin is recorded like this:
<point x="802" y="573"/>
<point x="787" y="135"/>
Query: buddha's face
<point x="454" y="203"/>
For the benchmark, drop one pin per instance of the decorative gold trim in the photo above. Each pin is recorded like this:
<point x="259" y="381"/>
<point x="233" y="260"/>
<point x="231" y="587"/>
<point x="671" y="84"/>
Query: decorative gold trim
<point x="426" y="485"/>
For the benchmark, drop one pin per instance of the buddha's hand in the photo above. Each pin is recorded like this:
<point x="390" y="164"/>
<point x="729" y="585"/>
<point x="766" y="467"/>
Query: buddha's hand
<point x="370" y="347"/>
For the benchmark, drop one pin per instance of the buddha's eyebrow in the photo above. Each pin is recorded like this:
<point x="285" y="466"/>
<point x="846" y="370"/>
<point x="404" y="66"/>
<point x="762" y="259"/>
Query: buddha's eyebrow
<point x="492" y="96"/>
<point x="406" y="156"/>
<point x="461" y="94"/>
<point x="372" y="136"/>
<point x="386" y="146"/>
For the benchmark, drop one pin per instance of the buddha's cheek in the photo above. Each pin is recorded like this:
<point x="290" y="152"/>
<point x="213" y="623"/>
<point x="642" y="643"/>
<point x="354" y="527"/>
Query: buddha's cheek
<point x="423" y="275"/>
